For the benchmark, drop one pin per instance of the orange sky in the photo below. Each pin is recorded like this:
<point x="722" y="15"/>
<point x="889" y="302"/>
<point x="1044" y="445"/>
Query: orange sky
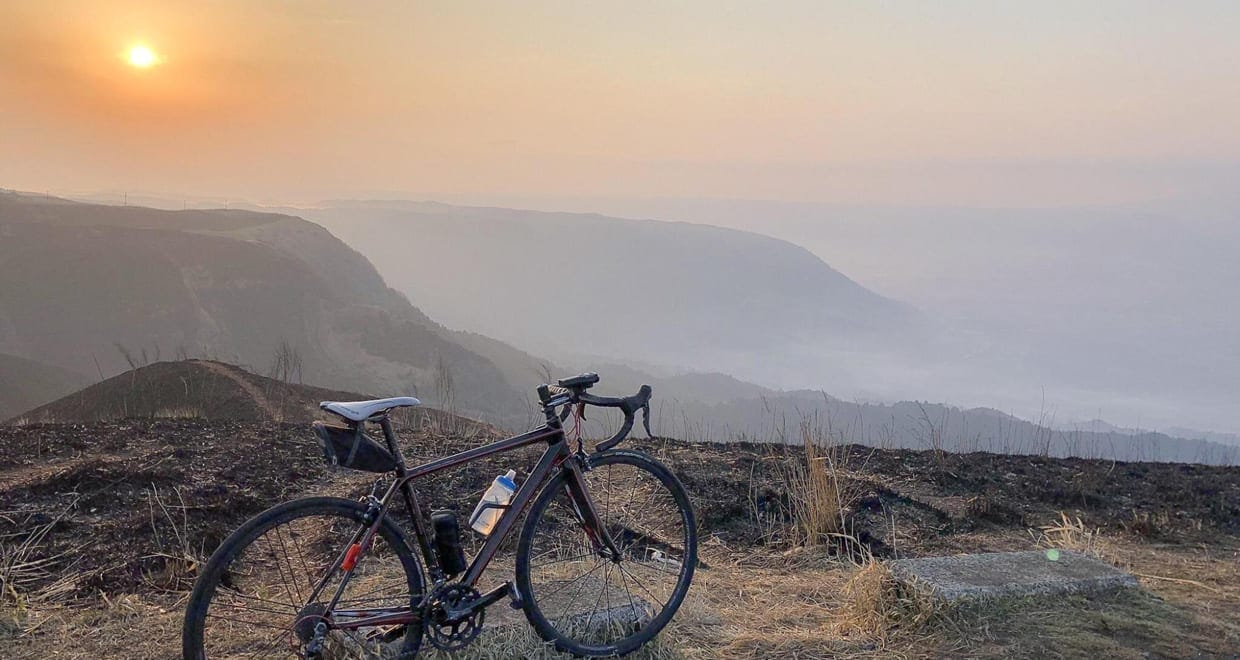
<point x="902" y="102"/>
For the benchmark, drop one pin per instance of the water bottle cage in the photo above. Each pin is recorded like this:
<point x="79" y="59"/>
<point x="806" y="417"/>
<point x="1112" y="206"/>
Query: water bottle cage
<point x="482" y="510"/>
<point x="483" y="507"/>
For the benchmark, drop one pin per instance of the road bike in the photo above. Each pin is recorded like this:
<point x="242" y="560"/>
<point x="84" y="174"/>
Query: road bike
<point x="604" y="559"/>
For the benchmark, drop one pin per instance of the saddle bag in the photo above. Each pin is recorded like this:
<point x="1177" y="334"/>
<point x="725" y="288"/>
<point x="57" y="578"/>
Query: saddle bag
<point x="349" y="446"/>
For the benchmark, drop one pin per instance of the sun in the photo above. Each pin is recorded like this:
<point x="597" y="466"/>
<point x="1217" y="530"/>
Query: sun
<point x="142" y="57"/>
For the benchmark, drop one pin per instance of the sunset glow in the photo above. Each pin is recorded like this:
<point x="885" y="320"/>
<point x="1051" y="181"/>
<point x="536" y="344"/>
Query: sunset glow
<point x="875" y="102"/>
<point x="142" y="57"/>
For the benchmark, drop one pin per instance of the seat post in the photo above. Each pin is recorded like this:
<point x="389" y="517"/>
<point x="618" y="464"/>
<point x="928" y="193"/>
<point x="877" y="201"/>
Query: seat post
<point x="429" y="553"/>
<point x="385" y="423"/>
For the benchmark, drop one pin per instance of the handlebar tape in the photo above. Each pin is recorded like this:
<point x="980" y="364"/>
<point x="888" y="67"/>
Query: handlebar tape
<point x="629" y="405"/>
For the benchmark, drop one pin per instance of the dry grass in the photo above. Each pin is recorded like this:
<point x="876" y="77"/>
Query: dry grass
<point x="177" y="557"/>
<point x="1125" y="624"/>
<point x="517" y="640"/>
<point x="28" y="581"/>
<point x="789" y="599"/>
<point x="797" y="603"/>
<point x="879" y="606"/>
<point x="1072" y="534"/>
<point x="179" y="412"/>
<point x="132" y="626"/>
<point x="819" y="495"/>
<point x="803" y="603"/>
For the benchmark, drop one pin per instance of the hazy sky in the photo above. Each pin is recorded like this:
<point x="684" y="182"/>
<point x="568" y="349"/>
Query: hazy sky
<point x="968" y="103"/>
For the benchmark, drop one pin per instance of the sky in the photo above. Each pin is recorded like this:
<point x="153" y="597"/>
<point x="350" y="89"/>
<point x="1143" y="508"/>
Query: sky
<point x="987" y="103"/>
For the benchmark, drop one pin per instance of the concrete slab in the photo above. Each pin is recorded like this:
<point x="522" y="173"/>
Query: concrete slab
<point x="1007" y="574"/>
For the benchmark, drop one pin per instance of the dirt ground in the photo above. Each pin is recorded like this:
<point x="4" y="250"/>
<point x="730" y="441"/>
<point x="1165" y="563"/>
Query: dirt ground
<point x="125" y="510"/>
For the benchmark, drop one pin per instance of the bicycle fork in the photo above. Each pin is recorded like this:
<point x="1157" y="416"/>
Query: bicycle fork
<point x="587" y="514"/>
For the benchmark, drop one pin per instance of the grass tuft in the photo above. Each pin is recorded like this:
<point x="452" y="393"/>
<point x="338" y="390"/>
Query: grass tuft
<point x="819" y="496"/>
<point x="179" y="412"/>
<point x="1070" y="533"/>
<point x="878" y="606"/>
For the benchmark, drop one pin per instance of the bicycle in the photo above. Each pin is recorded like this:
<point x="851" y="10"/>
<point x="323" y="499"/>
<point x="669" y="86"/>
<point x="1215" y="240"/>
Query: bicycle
<point x="329" y="577"/>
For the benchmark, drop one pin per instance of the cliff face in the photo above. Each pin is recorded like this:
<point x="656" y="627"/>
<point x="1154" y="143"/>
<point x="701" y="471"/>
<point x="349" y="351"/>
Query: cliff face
<point x="92" y="288"/>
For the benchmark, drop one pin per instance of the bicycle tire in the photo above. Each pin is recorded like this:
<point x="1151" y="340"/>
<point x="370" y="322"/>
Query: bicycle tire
<point x="539" y="620"/>
<point x="239" y="541"/>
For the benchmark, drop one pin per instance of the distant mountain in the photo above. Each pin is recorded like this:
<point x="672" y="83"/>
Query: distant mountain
<point x="25" y="384"/>
<point x="1119" y="312"/>
<point x="1212" y="436"/>
<point x="705" y="388"/>
<point x="578" y="285"/>
<point x="779" y="416"/>
<point x="89" y="287"/>
<point x="1103" y="426"/>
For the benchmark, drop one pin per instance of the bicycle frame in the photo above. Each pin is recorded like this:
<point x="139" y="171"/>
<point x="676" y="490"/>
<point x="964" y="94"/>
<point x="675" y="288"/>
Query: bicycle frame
<point x="558" y="456"/>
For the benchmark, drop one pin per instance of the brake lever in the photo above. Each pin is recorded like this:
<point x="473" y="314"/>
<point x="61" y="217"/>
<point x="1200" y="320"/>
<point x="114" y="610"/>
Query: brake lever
<point x="646" y="419"/>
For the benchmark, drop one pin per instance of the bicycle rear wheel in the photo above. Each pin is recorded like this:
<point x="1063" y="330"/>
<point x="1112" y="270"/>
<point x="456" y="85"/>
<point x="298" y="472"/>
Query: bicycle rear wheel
<point x="253" y="598"/>
<point x="591" y="605"/>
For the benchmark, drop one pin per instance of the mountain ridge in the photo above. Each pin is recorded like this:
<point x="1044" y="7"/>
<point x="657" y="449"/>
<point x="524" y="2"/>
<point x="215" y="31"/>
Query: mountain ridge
<point x="568" y="285"/>
<point x="118" y="286"/>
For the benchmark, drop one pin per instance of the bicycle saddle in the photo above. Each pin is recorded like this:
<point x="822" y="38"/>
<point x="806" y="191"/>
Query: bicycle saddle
<point x="359" y="411"/>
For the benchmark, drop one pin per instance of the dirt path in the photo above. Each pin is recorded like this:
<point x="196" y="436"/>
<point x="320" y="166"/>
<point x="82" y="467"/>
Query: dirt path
<point x="256" y="394"/>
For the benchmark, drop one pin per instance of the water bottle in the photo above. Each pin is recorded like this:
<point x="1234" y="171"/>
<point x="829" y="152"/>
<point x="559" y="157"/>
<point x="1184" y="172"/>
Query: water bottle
<point x="493" y="503"/>
<point x="448" y="542"/>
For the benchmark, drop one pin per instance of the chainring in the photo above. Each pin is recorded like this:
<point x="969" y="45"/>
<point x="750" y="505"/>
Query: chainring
<point x="452" y="635"/>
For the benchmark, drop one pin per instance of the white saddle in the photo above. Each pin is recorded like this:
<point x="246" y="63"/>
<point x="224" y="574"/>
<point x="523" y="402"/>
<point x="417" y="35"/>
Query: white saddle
<point x="359" y="411"/>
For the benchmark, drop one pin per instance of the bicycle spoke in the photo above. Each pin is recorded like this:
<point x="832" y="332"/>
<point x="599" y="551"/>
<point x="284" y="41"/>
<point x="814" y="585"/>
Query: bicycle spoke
<point x="274" y="644"/>
<point x="641" y="585"/>
<point x="283" y="563"/>
<point x="628" y="591"/>
<point x="301" y="556"/>
<point x="283" y="580"/>
<point x="264" y="610"/>
<point x="574" y="580"/>
<point x="293" y="577"/>
<point x="248" y="623"/>
<point x="238" y="594"/>
<point x="561" y="561"/>
<point x="578" y="593"/>
<point x="597" y="604"/>
<point x="599" y="599"/>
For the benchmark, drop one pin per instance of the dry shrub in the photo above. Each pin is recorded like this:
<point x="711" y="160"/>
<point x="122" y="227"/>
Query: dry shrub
<point x="176" y="559"/>
<point x="1156" y="525"/>
<point x="28" y="580"/>
<point x="1070" y="533"/>
<point x="877" y="605"/>
<point x="819" y="492"/>
<point x="180" y="412"/>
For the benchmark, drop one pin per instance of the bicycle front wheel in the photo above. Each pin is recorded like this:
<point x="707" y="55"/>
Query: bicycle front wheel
<point x="268" y="585"/>
<point x="591" y="604"/>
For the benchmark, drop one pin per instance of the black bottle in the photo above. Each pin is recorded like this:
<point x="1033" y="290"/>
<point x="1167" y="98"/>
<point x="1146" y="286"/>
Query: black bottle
<point x="448" y="542"/>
